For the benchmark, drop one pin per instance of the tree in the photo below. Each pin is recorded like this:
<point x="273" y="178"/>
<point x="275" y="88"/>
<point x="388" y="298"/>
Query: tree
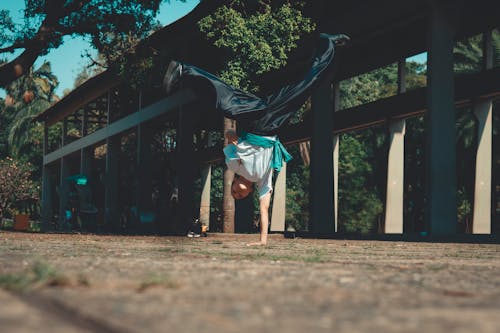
<point x="15" y="184"/>
<point x="258" y="40"/>
<point x="31" y="94"/>
<point x="114" y="28"/>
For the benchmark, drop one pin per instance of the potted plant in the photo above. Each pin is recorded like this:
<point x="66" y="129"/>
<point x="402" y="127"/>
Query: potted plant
<point x="21" y="220"/>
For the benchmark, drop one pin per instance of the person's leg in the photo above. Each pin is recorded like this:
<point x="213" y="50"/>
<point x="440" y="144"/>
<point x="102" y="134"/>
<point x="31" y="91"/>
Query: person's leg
<point x="234" y="103"/>
<point x="264" y="203"/>
<point x="283" y="104"/>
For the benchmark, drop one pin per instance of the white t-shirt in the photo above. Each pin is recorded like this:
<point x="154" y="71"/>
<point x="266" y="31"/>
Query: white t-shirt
<point x="253" y="163"/>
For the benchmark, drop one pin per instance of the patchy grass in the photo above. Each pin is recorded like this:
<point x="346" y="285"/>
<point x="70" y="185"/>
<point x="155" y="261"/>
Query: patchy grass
<point x="38" y="276"/>
<point x="6" y="224"/>
<point x="158" y="281"/>
<point x="436" y="267"/>
<point x="173" y="250"/>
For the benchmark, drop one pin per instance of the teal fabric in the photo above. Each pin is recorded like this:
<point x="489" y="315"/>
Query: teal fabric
<point x="279" y="151"/>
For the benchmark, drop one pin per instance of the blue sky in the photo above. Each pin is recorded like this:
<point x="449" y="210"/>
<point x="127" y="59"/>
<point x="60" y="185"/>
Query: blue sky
<point x="66" y="61"/>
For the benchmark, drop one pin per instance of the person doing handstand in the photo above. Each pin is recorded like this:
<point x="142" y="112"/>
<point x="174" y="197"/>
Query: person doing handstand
<point x="257" y="152"/>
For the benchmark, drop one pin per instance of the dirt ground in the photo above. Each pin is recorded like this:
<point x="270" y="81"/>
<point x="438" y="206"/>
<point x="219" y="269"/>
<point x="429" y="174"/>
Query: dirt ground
<point x="91" y="283"/>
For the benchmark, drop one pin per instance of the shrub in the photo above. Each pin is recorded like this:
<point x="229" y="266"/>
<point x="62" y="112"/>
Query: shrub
<point x="15" y="184"/>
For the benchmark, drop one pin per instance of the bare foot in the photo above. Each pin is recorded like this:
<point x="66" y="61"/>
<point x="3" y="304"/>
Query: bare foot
<point x="257" y="244"/>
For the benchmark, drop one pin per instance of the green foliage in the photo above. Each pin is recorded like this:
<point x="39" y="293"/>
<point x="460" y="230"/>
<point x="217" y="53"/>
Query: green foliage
<point x="368" y="87"/>
<point x="30" y="94"/>
<point x="468" y="55"/>
<point x="103" y="21"/>
<point x="39" y="275"/>
<point x="114" y="28"/>
<point x="415" y="75"/>
<point x="15" y="184"/>
<point x="216" y="198"/>
<point x="258" y="41"/>
<point x="297" y="193"/>
<point x="359" y="205"/>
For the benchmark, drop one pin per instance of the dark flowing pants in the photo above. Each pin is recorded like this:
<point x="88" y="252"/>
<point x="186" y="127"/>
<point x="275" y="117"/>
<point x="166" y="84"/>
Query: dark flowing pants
<point x="263" y="116"/>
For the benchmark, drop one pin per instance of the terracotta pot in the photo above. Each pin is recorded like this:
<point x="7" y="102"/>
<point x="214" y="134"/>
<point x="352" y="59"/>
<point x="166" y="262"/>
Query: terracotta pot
<point x="21" y="222"/>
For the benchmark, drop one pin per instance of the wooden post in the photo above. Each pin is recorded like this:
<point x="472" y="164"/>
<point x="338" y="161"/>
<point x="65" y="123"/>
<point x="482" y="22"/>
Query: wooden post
<point x="228" y="206"/>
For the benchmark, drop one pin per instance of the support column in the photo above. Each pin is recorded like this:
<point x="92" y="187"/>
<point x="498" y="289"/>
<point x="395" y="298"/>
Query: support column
<point x="395" y="166"/>
<point x="112" y="220"/>
<point x="63" y="183"/>
<point x="440" y="147"/>
<point x="206" y="182"/>
<point x="336" y="146"/>
<point x="481" y="223"/>
<point x="111" y="183"/>
<point x="321" y="190"/>
<point x="395" y="179"/>
<point x="482" y="191"/>
<point x="144" y="175"/>
<point x="279" y="202"/>
<point x="85" y="153"/>
<point x="88" y="210"/>
<point x="47" y="213"/>
<point x="185" y="163"/>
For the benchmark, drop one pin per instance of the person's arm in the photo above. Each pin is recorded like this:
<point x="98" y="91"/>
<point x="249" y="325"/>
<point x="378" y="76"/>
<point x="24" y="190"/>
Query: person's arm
<point x="264" y="203"/>
<point x="265" y="192"/>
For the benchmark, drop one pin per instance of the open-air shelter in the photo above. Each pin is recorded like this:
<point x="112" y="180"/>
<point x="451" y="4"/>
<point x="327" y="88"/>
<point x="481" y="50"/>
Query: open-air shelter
<point x="110" y="114"/>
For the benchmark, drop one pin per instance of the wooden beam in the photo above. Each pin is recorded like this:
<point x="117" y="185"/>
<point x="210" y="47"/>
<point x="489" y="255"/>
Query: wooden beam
<point x="412" y="103"/>
<point x="151" y="112"/>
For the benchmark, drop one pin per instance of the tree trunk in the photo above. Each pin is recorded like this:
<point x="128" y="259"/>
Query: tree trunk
<point x="227" y="200"/>
<point x="305" y="152"/>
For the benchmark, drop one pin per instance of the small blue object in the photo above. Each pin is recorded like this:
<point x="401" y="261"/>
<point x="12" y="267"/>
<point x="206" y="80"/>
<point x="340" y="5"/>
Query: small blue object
<point x="68" y="214"/>
<point x="79" y="179"/>
<point x="423" y="233"/>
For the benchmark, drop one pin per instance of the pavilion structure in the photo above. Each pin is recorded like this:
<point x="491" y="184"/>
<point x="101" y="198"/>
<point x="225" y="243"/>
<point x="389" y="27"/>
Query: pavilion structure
<point x="109" y="115"/>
